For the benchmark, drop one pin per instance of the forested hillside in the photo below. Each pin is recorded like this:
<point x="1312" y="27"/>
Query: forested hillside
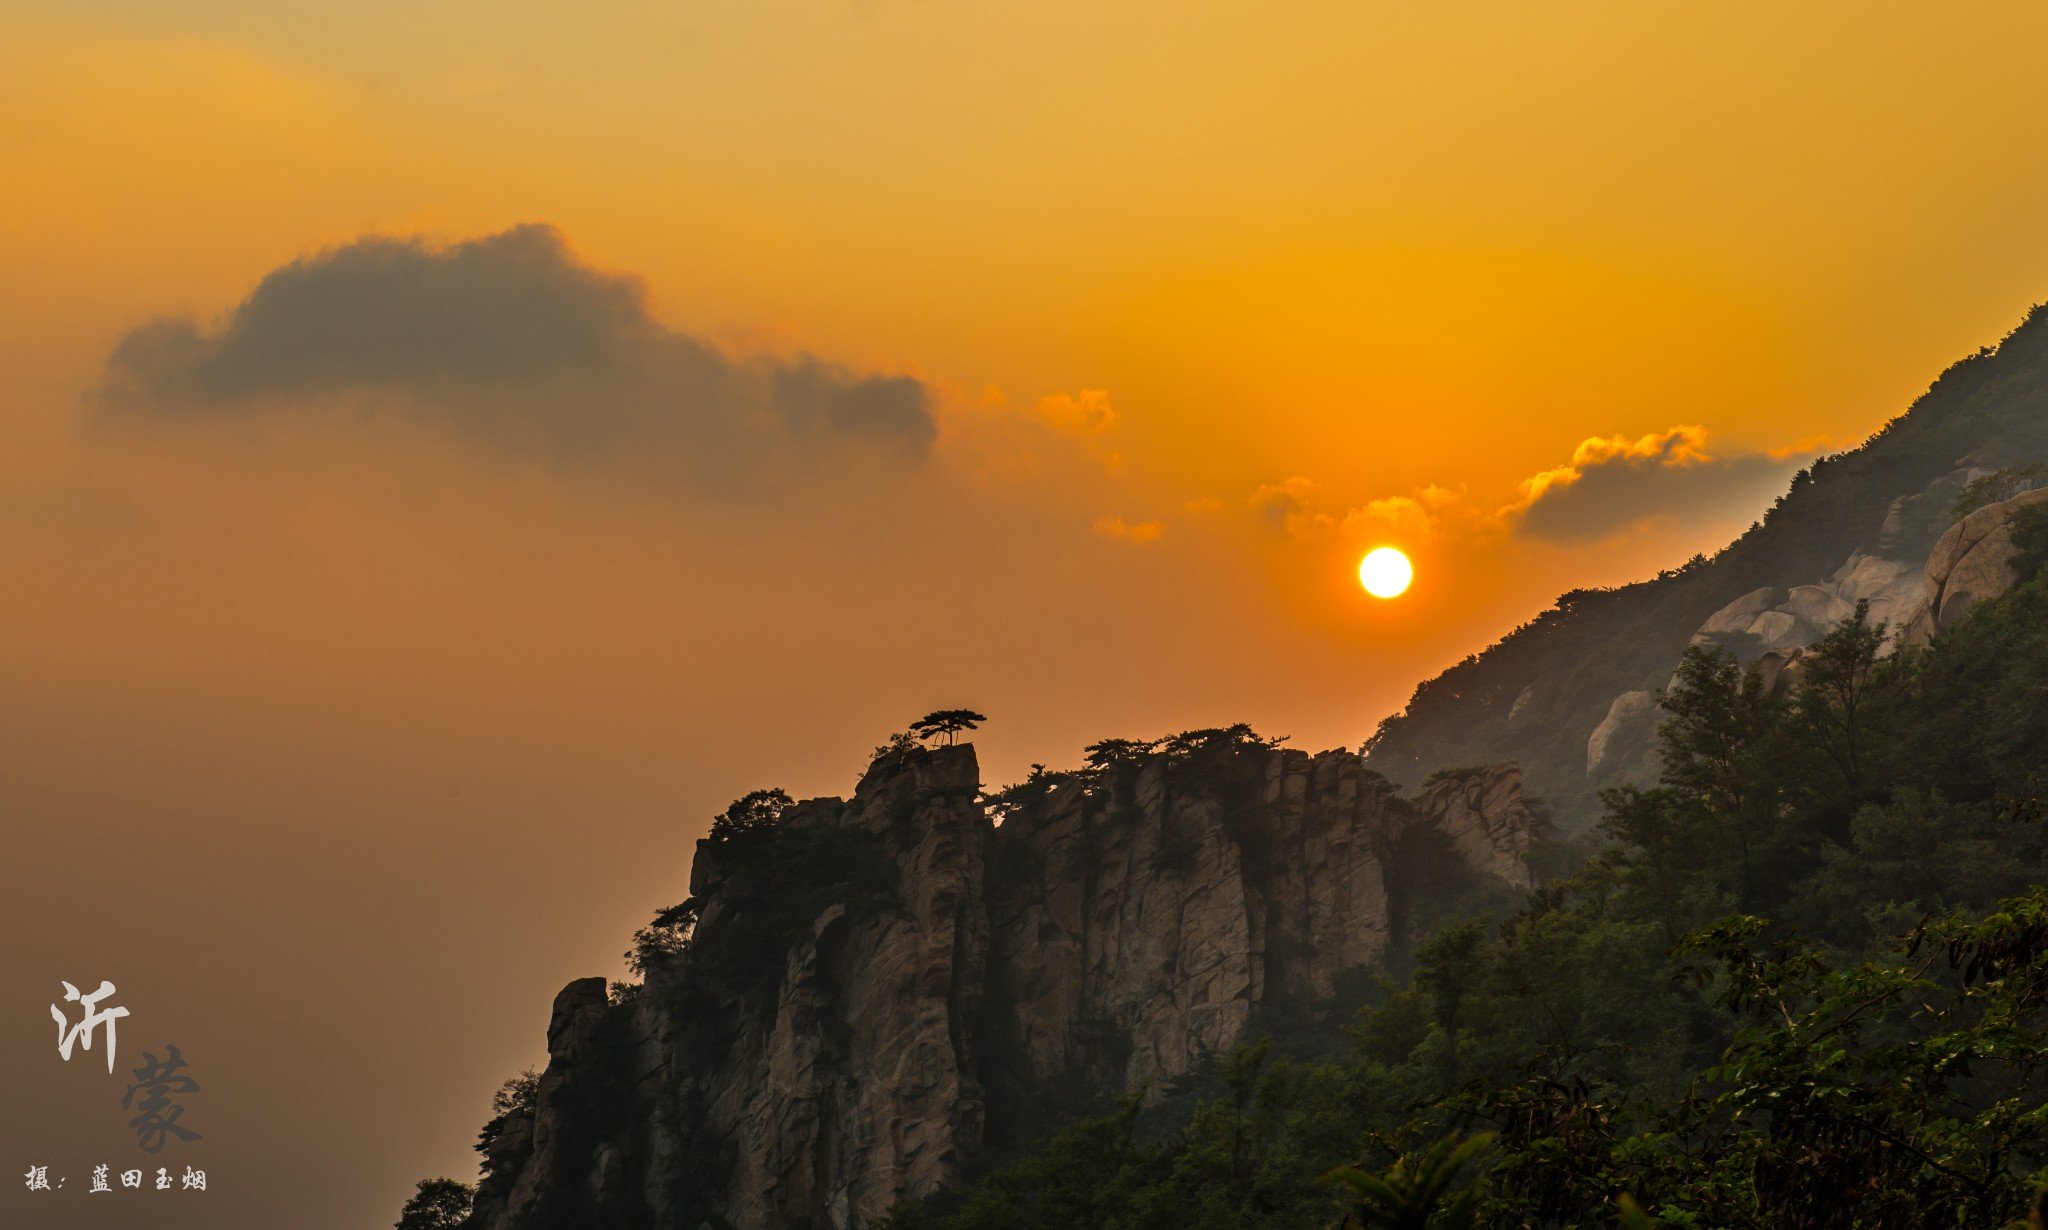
<point x="1537" y="695"/>
<point x="1805" y="985"/>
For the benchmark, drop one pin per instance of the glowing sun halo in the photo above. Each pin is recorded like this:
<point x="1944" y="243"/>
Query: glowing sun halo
<point x="1385" y="572"/>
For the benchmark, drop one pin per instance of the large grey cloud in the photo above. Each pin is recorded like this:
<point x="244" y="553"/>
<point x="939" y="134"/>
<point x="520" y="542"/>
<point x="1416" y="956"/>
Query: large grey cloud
<point x="509" y="340"/>
<point x="1614" y="484"/>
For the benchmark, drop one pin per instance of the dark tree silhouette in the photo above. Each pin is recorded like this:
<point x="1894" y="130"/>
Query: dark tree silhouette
<point x="757" y="809"/>
<point x="946" y="724"/>
<point x="439" y="1204"/>
<point x="1110" y="753"/>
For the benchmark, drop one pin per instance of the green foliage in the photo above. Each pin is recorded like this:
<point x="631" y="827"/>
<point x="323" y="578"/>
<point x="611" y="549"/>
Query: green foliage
<point x="1996" y="488"/>
<point x="1429" y="883"/>
<point x="439" y="1204"/>
<point x="1422" y="1191"/>
<point x="1805" y="985"/>
<point x="2030" y="537"/>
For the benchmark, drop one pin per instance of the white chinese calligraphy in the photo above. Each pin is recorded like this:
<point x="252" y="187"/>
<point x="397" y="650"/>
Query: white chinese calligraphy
<point x="81" y="1031"/>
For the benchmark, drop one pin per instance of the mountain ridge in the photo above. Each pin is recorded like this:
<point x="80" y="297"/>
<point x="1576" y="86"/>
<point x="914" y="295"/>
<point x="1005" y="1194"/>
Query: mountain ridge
<point x="1537" y="695"/>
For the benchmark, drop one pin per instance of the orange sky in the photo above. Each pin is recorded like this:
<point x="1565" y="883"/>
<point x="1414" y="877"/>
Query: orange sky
<point x="414" y="720"/>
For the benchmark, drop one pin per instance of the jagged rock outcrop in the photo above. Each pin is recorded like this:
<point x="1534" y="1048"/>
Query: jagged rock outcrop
<point x="1780" y="671"/>
<point x="1484" y="815"/>
<point x="1737" y="615"/>
<point x="1888" y="588"/>
<point x="865" y="978"/>
<point x="1629" y="720"/>
<point x="1764" y="622"/>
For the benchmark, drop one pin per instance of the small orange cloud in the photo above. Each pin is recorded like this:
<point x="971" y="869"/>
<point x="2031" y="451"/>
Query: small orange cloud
<point x="1683" y="445"/>
<point x="1008" y="443"/>
<point x="1396" y="516"/>
<point x="1288" y="507"/>
<point x="1805" y="447"/>
<point x="1087" y="413"/>
<point x="1138" y="533"/>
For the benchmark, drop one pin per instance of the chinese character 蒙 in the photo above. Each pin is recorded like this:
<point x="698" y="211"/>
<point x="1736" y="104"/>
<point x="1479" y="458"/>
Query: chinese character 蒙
<point x="158" y="1117"/>
<point x="69" y="1032"/>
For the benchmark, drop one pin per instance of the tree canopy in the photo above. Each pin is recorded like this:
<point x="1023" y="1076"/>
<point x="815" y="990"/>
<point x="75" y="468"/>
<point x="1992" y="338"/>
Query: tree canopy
<point x="439" y="1204"/>
<point x="946" y="724"/>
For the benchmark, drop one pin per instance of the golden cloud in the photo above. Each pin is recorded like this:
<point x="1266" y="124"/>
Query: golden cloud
<point x="1138" y="533"/>
<point x="1087" y="413"/>
<point x="1616" y="483"/>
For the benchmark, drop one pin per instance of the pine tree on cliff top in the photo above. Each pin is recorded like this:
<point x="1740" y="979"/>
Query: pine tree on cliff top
<point x="946" y="724"/>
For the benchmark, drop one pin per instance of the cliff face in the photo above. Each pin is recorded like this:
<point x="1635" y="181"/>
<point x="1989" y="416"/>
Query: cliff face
<point x="1156" y="915"/>
<point x="862" y="974"/>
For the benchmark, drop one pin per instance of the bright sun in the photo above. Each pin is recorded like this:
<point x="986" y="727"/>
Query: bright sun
<point x="1385" y="572"/>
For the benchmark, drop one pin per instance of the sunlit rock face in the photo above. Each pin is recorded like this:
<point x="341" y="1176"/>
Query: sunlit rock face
<point x="1973" y="561"/>
<point x="1114" y="931"/>
<point x="1772" y="622"/>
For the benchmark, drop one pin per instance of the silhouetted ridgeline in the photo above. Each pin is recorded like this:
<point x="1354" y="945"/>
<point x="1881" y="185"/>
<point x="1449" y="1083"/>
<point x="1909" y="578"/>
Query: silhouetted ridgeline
<point x="1857" y="525"/>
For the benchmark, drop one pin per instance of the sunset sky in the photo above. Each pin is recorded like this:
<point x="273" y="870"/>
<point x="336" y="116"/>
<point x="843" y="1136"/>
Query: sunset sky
<point x="447" y="451"/>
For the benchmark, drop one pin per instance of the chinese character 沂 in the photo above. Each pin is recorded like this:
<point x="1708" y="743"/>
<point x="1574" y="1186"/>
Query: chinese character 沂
<point x="69" y="1032"/>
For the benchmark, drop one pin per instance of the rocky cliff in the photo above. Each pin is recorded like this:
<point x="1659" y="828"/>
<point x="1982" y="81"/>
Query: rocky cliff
<point x="861" y="996"/>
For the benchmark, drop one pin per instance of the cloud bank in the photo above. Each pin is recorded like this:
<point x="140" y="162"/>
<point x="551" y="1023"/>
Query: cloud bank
<point x="1613" y="484"/>
<point x="511" y="341"/>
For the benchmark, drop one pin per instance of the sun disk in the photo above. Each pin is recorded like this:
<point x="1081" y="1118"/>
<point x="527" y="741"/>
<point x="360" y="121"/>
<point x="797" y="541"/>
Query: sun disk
<point x="1385" y="572"/>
